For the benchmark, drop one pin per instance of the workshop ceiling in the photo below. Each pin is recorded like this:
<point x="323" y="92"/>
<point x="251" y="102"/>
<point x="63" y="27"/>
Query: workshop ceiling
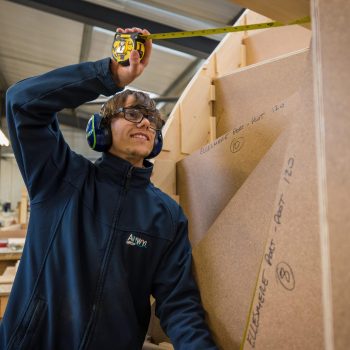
<point x="37" y="36"/>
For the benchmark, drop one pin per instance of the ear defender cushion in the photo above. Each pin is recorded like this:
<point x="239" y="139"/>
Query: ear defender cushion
<point x="158" y="145"/>
<point x="98" y="135"/>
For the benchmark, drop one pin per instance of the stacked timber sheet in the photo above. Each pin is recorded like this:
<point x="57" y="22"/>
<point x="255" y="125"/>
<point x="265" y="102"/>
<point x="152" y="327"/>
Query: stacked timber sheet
<point x="262" y="173"/>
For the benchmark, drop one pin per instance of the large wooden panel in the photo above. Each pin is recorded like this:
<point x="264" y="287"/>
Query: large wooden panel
<point x="263" y="45"/>
<point x="242" y="95"/>
<point x="286" y="310"/>
<point x="227" y="260"/>
<point x="195" y="111"/>
<point x="230" y="54"/>
<point x="332" y="86"/>
<point x="208" y="178"/>
<point x="164" y="175"/>
<point x="190" y="124"/>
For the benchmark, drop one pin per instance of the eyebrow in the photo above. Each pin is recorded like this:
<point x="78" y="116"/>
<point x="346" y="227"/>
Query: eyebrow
<point x="144" y="108"/>
<point x="135" y="106"/>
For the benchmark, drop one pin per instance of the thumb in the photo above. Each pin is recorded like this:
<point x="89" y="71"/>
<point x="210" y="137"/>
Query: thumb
<point x="134" y="60"/>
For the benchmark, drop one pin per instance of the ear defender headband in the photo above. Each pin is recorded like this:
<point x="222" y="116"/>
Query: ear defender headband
<point x="99" y="136"/>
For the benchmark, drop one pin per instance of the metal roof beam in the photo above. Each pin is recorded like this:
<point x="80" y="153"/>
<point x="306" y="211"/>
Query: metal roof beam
<point x="236" y="17"/>
<point x="85" y="43"/>
<point x="110" y="19"/>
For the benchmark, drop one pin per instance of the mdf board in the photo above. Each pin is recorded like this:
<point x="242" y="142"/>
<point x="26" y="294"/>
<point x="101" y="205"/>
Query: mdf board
<point x="189" y="125"/>
<point x="275" y="42"/>
<point x="164" y="174"/>
<point x="208" y="178"/>
<point x="194" y="107"/>
<point x="331" y="38"/>
<point x="194" y="116"/>
<point x="227" y="260"/>
<point x="287" y="307"/>
<point x="230" y="53"/>
<point x="278" y="10"/>
<point x="243" y="95"/>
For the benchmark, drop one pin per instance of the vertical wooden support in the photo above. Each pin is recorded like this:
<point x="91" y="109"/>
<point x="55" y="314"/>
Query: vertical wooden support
<point x="243" y="46"/>
<point x="212" y="118"/>
<point x="243" y="55"/>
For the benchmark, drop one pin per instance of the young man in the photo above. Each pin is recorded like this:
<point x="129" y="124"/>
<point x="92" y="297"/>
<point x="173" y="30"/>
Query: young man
<point x="101" y="238"/>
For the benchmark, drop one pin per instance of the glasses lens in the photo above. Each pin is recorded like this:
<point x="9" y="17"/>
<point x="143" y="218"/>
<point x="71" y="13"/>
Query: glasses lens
<point x="136" y="115"/>
<point x="155" y="121"/>
<point x="133" y="115"/>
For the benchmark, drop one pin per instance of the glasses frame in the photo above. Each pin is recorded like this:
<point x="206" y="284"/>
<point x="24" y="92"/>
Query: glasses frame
<point x="146" y="115"/>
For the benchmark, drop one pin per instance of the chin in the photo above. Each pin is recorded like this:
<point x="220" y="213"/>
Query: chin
<point x="142" y="153"/>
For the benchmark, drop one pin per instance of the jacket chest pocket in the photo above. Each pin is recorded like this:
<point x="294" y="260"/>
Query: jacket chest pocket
<point x="140" y="251"/>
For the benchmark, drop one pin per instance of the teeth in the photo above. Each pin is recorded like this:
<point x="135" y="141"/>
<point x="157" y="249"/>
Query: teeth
<point x="139" y="136"/>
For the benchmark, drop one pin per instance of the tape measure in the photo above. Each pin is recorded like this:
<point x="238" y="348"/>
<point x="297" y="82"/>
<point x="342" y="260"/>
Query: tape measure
<point x="124" y="43"/>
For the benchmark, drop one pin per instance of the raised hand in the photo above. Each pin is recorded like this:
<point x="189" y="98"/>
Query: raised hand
<point x="124" y="75"/>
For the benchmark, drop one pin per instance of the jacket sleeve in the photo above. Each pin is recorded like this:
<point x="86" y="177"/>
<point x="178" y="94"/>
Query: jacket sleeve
<point x="178" y="303"/>
<point x="31" y="109"/>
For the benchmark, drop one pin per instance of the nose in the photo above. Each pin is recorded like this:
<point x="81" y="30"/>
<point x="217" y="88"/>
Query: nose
<point x="144" y="123"/>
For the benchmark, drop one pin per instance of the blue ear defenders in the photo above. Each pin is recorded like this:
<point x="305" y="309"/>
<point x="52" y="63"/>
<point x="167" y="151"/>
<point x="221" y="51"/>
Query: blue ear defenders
<point x="99" y="136"/>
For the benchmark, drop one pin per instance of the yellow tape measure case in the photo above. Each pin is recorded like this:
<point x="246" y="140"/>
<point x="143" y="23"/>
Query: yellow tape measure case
<point x="123" y="44"/>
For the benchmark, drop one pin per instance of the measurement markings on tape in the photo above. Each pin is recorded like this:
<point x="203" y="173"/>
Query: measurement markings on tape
<point x="222" y="30"/>
<point x="124" y="43"/>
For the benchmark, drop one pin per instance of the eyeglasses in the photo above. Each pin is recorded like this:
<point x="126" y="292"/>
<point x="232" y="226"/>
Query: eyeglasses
<point x="136" y="115"/>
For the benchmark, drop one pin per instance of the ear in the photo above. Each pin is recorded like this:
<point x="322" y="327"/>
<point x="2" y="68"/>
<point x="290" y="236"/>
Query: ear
<point x="98" y="135"/>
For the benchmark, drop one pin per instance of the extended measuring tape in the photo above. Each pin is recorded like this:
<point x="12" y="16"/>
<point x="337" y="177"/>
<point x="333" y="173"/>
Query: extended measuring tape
<point x="124" y="43"/>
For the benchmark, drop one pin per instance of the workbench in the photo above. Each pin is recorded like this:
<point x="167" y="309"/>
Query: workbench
<point x="5" y="290"/>
<point x="8" y="257"/>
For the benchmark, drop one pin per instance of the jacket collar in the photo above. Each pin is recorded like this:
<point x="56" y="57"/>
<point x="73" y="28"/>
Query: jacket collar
<point x="119" y="169"/>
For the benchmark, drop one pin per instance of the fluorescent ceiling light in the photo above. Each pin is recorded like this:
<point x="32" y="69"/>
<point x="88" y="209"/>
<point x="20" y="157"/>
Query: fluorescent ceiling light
<point x="3" y="139"/>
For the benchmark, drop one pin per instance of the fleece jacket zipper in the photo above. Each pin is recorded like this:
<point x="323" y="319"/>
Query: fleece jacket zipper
<point x="106" y="259"/>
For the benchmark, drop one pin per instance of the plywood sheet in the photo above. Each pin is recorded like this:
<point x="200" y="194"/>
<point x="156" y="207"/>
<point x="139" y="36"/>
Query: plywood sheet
<point x="242" y="95"/>
<point x="180" y="139"/>
<point x="227" y="260"/>
<point x="275" y="42"/>
<point x="286" y="312"/>
<point x="208" y="178"/>
<point x="187" y="131"/>
<point x="228" y="55"/>
<point x="164" y="175"/>
<point x="195" y="111"/>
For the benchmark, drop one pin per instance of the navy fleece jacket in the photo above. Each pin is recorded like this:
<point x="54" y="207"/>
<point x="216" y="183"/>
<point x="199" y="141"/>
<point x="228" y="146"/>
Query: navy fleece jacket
<point x="101" y="238"/>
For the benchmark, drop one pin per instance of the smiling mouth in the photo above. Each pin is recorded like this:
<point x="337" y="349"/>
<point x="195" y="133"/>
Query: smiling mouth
<point x="140" y="136"/>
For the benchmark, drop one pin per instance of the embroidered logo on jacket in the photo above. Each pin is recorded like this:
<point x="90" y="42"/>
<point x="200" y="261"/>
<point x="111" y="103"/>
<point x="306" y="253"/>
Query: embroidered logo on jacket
<point x="136" y="241"/>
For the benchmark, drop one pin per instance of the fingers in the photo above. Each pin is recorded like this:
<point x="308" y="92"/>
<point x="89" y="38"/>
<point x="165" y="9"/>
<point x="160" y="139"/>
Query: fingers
<point x="126" y="74"/>
<point x="130" y="30"/>
<point x="134" y="61"/>
<point x="148" y="48"/>
<point x="148" y="44"/>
